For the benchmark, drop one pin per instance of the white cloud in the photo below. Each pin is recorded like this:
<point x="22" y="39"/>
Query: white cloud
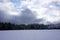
<point x="8" y="7"/>
<point x="36" y="6"/>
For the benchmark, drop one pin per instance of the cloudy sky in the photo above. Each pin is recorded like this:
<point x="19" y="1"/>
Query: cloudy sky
<point x="30" y="11"/>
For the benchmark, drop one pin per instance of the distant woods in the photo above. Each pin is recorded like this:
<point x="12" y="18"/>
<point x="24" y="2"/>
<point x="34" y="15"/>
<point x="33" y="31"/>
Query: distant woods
<point x="9" y="26"/>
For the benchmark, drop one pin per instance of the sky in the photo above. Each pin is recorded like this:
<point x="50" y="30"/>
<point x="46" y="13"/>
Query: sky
<point x="30" y="11"/>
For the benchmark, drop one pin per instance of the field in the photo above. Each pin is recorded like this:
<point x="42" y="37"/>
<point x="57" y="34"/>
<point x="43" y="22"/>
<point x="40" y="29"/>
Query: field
<point x="30" y="35"/>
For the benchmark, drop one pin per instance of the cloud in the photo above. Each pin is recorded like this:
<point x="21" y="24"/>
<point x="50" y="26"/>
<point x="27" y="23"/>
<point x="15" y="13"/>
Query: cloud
<point x="29" y="11"/>
<point x="53" y="13"/>
<point x="3" y="16"/>
<point x="27" y="17"/>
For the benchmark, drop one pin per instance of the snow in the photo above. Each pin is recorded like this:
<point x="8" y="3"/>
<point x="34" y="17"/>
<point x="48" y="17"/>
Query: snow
<point x="30" y="35"/>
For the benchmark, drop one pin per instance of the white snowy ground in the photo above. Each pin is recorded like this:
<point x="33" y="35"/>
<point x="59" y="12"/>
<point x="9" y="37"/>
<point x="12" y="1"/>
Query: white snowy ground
<point x="30" y="35"/>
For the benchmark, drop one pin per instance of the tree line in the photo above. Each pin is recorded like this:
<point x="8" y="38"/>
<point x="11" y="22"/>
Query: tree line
<point x="9" y="26"/>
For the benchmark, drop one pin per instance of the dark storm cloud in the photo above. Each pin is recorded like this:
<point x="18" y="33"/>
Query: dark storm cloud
<point x="26" y="17"/>
<point x="2" y="16"/>
<point x="38" y="20"/>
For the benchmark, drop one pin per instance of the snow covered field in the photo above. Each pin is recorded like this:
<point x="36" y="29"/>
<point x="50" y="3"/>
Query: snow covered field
<point x="30" y="35"/>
